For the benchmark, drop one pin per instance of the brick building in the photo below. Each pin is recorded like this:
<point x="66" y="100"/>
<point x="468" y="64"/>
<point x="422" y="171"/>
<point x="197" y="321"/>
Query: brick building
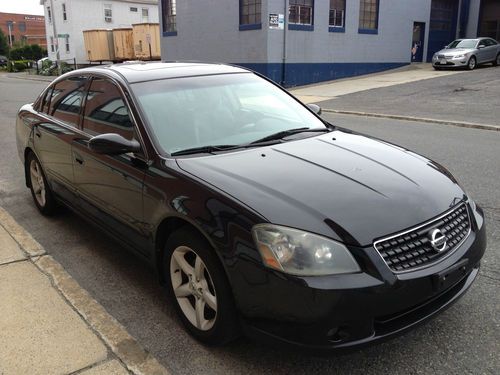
<point x="24" y="28"/>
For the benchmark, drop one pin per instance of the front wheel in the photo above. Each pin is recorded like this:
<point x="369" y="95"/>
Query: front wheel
<point x="472" y="63"/>
<point x="497" y="60"/>
<point x="196" y="283"/>
<point x="40" y="189"/>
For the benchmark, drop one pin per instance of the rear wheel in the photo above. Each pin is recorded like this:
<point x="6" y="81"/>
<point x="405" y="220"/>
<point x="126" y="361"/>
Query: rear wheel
<point x="472" y="63"/>
<point x="40" y="189"/>
<point x="197" y="285"/>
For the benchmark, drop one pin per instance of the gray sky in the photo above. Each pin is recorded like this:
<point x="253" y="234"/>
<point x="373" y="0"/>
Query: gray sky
<point x="21" y="6"/>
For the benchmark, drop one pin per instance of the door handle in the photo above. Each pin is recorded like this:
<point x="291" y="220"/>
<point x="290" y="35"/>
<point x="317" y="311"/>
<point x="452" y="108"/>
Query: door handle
<point x="79" y="159"/>
<point x="37" y="133"/>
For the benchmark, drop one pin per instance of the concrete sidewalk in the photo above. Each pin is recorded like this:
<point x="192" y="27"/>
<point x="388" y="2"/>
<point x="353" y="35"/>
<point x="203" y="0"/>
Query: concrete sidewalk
<point x="330" y="90"/>
<point x="49" y="325"/>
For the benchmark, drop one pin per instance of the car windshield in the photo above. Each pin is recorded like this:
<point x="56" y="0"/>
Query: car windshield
<point x="466" y="43"/>
<point x="227" y="109"/>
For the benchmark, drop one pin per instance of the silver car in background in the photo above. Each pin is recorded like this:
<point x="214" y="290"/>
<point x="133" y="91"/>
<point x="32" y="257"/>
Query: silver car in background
<point x="467" y="53"/>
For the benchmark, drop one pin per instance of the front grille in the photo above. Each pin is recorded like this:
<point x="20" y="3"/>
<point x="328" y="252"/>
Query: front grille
<point x="412" y="249"/>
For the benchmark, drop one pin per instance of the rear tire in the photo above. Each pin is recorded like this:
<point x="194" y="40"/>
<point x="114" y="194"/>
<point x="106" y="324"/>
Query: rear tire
<point x="197" y="286"/>
<point x="437" y="68"/>
<point x="40" y="189"/>
<point x="497" y="60"/>
<point x="472" y="63"/>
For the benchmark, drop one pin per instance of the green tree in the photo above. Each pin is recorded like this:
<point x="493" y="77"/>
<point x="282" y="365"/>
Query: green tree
<point x="4" y="46"/>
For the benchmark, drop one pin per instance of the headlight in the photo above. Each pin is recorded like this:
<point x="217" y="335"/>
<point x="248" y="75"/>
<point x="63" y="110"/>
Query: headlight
<point x="459" y="56"/>
<point x="301" y="253"/>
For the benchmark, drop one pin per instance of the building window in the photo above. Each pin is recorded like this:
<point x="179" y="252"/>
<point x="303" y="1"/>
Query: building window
<point x="368" y="16"/>
<point x="52" y="49"/>
<point x="49" y="14"/>
<point x="21" y="26"/>
<point x="145" y="15"/>
<point x="64" y="13"/>
<point x="337" y="13"/>
<point x="301" y="12"/>
<point x="250" y="12"/>
<point x="169" y="9"/>
<point x="66" y="42"/>
<point x="133" y="9"/>
<point x="108" y="13"/>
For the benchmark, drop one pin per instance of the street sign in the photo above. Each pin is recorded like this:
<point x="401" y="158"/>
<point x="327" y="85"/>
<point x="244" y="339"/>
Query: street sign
<point x="276" y="21"/>
<point x="63" y="35"/>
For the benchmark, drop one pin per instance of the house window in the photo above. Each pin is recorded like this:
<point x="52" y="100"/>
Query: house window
<point x="250" y="12"/>
<point x="300" y="12"/>
<point x="21" y="26"/>
<point x="65" y="15"/>
<point x="133" y="9"/>
<point x="145" y="15"/>
<point x="337" y="13"/>
<point x="368" y="15"/>
<point x="169" y="16"/>
<point x="108" y="13"/>
<point x="66" y="42"/>
<point x="49" y="14"/>
<point x="52" y="49"/>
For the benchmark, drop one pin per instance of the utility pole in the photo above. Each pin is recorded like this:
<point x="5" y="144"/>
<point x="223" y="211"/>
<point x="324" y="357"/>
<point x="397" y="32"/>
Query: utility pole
<point x="56" y="39"/>
<point x="285" y="26"/>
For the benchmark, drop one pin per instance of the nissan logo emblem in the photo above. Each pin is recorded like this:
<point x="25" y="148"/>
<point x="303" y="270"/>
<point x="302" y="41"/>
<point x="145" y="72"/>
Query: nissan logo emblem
<point x="438" y="240"/>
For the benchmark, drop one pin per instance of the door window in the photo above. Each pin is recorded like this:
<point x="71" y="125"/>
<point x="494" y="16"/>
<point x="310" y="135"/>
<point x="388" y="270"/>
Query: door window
<point x="67" y="99"/>
<point x="106" y="111"/>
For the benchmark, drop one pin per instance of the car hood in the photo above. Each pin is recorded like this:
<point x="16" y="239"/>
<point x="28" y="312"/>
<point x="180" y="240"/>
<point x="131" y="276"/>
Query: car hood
<point x="454" y="51"/>
<point x="342" y="185"/>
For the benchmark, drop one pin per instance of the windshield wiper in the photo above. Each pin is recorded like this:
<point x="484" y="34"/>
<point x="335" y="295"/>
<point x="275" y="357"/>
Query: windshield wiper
<point x="286" y="133"/>
<point x="204" y="149"/>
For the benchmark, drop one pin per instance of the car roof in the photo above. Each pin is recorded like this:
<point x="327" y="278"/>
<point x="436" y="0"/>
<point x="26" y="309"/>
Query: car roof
<point x="140" y="71"/>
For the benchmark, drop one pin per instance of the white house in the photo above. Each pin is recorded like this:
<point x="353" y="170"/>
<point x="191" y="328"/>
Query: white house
<point x="65" y="21"/>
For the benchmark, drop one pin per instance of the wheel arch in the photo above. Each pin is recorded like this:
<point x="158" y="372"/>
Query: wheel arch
<point x="165" y="229"/>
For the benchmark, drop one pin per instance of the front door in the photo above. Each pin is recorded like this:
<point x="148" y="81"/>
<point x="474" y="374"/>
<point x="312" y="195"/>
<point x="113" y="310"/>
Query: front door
<point x="417" y="44"/>
<point x="110" y="186"/>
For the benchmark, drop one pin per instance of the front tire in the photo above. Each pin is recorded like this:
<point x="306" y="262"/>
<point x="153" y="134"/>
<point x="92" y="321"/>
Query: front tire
<point x="40" y="189"/>
<point x="472" y="63"/>
<point x="197" y="285"/>
<point x="497" y="60"/>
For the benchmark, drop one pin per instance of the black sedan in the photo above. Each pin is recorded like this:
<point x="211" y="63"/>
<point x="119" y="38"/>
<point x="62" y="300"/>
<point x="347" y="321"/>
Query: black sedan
<point x="258" y="216"/>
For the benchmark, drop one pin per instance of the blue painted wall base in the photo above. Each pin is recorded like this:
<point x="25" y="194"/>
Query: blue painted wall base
<point x="297" y="74"/>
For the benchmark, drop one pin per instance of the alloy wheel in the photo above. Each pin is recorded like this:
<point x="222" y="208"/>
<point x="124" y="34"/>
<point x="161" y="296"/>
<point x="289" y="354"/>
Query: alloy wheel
<point x="472" y="63"/>
<point x="193" y="288"/>
<point x="37" y="182"/>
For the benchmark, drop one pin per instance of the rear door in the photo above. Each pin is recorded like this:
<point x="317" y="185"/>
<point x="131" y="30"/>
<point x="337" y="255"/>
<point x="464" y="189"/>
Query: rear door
<point x="54" y="134"/>
<point x="110" y="186"/>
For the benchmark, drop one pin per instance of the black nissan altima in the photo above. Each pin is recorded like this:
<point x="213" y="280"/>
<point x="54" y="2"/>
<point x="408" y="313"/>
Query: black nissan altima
<point x="259" y="217"/>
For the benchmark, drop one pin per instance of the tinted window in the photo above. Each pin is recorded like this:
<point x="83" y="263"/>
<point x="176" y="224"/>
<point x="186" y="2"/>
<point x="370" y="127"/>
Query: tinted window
<point x="106" y="111"/>
<point x="67" y="99"/>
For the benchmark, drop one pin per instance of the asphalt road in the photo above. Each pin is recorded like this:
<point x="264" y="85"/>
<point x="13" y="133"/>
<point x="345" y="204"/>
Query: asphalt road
<point x="470" y="97"/>
<point x="464" y="339"/>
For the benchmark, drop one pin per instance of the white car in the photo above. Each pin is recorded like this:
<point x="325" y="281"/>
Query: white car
<point x="467" y="53"/>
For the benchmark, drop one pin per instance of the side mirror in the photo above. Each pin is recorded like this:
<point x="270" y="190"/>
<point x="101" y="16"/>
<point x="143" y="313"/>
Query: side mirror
<point x="112" y="144"/>
<point x="481" y="46"/>
<point x="315" y="108"/>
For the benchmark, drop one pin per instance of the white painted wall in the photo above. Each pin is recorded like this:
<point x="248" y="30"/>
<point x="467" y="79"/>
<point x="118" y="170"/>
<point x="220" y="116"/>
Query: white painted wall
<point x="87" y="15"/>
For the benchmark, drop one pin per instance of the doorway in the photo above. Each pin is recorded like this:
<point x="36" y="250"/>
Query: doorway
<point x="417" y="43"/>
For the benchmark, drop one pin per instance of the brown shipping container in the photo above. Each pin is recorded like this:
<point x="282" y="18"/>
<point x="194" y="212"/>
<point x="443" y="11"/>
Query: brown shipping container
<point x="146" y="34"/>
<point x="99" y="45"/>
<point x="124" y="43"/>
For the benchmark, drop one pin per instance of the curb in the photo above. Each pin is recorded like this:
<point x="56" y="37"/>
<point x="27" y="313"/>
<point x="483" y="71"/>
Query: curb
<point x="108" y="329"/>
<point x="461" y="124"/>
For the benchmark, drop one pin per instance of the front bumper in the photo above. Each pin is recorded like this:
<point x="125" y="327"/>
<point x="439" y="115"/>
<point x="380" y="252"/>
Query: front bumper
<point x="345" y="311"/>
<point x="450" y="63"/>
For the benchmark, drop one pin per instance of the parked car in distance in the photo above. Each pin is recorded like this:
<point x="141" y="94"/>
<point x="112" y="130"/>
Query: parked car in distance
<point x="258" y="216"/>
<point x="39" y="63"/>
<point x="467" y="53"/>
<point x="3" y="60"/>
